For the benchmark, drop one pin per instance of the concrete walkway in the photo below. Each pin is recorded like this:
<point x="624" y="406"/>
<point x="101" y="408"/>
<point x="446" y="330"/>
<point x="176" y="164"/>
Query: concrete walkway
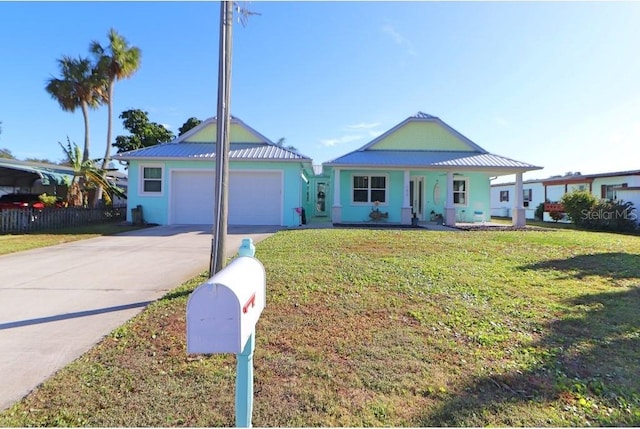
<point x="58" y="302"/>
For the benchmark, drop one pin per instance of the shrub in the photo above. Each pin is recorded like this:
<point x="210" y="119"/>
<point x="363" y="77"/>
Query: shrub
<point x="539" y="213"/>
<point x="556" y="215"/>
<point x="48" y="200"/>
<point x="611" y="216"/>
<point x="576" y="204"/>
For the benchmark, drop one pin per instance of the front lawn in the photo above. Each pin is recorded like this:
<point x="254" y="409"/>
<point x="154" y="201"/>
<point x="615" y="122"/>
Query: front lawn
<point x="11" y="243"/>
<point x="388" y="328"/>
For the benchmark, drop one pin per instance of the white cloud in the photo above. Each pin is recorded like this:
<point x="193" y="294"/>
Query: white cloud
<point x="399" y="39"/>
<point x="363" y="126"/>
<point x="340" y="140"/>
<point x="375" y="133"/>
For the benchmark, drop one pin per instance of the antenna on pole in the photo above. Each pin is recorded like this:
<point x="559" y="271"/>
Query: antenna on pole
<point x="244" y="13"/>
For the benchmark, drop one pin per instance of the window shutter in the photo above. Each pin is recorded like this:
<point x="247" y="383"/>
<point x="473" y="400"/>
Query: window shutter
<point x="603" y="191"/>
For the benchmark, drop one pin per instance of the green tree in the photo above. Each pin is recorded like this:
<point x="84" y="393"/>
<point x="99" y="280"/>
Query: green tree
<point x="144" y="133"/>
<point x="6" y="154"/>
<point x="86" y="175"/>
<point x="189" y="124"/>
<point x="81" y="86"/>
<point x="115" y="62"/>
<point x="40" y="160"/>
<point x="282" y="141"/>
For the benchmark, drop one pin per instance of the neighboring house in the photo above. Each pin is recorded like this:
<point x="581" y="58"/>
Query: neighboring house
<point x="502" y="195"/>
<point x="423" y="169"/>
<point x="174" y="182"/>
<point x="619" y="185"/>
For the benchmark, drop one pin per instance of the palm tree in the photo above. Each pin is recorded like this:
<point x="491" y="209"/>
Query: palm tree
<point x="116" y="62"/>
<point x="86" y="175"/>
<point x="79" y="86"/>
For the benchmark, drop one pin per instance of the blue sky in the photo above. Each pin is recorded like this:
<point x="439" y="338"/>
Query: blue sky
<point x="556" y="84"/>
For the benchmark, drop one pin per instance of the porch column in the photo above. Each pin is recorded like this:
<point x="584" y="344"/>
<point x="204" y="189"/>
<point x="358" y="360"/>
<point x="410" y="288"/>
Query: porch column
<point x="449" y="208"/>
<point x="518" y="216"/>
<point x="405" y="217"/>
<point x="336" y="210"/>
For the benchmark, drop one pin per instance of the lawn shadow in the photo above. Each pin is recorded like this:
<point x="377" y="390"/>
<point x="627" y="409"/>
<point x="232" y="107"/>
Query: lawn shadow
<point x="616" y="265"/>
<point x="591" y="352"/>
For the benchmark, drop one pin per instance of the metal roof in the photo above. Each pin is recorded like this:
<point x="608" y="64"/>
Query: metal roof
<point x="12" y="171"/>
<point x="426" y="159"/>
<point x="237" y="151"/>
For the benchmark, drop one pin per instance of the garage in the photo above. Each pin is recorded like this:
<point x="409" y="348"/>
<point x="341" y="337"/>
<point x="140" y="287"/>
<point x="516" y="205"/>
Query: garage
<point x="255" y="197"/>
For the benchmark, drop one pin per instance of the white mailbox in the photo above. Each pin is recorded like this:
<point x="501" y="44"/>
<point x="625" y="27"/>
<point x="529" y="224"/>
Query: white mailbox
<point x="223" y="311"/>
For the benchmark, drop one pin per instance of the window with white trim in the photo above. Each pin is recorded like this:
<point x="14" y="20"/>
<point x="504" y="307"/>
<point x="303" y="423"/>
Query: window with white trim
<point x="504" y="196"/>
<point x="368" y="189"/>
<point x="151" y="180"/>
<point x="460" y="190"/>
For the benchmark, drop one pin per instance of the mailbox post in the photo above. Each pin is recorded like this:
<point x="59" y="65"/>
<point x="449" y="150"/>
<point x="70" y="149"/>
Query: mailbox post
<point x="221" y="318"/>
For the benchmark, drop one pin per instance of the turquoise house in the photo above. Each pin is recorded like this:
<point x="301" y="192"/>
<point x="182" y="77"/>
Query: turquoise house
<point x="174" y="182"/>
<point x="421" y="170"/>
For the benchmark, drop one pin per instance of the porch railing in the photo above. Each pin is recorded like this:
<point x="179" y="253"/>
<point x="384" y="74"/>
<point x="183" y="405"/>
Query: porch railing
<point x="553" y="207"/>
<point x="29" y="219"/>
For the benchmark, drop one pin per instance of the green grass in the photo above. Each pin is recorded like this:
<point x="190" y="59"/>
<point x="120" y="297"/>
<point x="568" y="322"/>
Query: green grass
<point x="388" y="328"/>
<point x="11" y="243"/>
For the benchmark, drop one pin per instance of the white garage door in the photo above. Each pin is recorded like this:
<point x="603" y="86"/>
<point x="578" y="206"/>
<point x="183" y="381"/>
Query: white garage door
<point x="191" y="198"/>
<point x="255" y="198"/>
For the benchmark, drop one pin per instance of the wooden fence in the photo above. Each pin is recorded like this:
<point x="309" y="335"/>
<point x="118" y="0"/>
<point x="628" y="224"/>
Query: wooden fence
<point x="29" y="219"/>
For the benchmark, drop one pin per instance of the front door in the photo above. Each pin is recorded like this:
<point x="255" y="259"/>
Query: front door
<point x="416" y="196"/>
<point x="321" y="198"/>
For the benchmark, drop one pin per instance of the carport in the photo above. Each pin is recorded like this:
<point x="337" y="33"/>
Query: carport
<point x="23" y="176"/>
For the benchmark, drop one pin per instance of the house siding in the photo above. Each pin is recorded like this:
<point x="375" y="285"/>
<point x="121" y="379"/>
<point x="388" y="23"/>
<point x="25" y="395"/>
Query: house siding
<point x="478" y="195"/>
<point x="505" y="208"/>
<point x="237" y="133"/>
<point x="156" y="208"/>
<point x="421" y="136"/>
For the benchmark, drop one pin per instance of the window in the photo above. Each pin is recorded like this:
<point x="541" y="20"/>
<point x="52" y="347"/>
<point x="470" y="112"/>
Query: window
<point x="526" y="197"/>
<point x="460" y="192"/>
<point x="504" y="196"/>
<point x="609" y="191"/>
<point x="367" y="189"/>
<point x="151" y="180"/>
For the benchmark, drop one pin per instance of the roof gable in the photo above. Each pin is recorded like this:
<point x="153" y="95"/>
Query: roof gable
<point x="206" y="132"/>
<point x="423" y="132"/>
<point x="425" y="141"/>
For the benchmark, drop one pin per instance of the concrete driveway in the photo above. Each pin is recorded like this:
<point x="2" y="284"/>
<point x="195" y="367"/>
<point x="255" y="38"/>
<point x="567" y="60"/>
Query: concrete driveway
<point x="57" y="302"/>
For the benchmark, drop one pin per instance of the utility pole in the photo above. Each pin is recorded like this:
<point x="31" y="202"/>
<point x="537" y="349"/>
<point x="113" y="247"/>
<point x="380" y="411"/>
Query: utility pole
<point x="223" y="124"/>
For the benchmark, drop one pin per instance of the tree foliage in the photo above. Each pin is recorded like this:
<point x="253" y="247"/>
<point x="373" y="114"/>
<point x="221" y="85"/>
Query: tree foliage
<point x="282" y="141"/>
<point x="188" y="125"/>
<point x="144" y="133"/>
<point x="6" y="154"/>
<point x="86" y="175"/>
<point x="80" y="85"/>
<point x="586" y="211"/>
<point x="575" y="203"/>
<point x="40" y="160"/>
<point x="114" y="62"/>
